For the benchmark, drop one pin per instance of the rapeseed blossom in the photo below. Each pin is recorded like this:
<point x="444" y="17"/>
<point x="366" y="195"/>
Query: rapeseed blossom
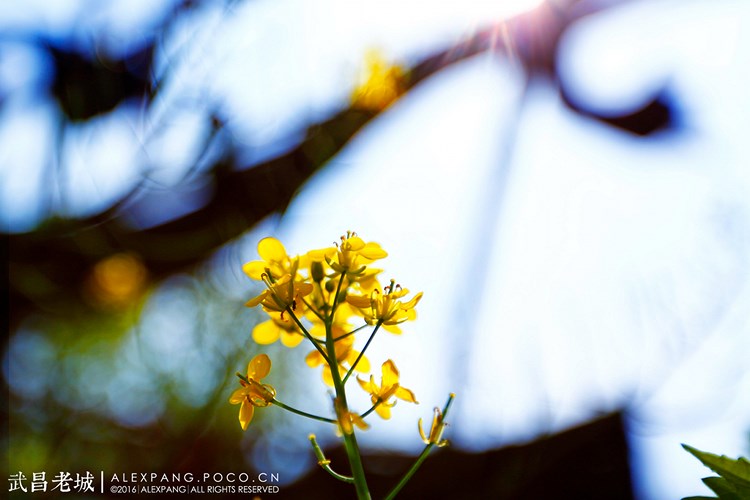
<point x="386" y="308"/>
<point x="389" y="387"/>
<point x="281" y="295"/>
<point x="253" y="393"/>
<point x="436" y="430"/>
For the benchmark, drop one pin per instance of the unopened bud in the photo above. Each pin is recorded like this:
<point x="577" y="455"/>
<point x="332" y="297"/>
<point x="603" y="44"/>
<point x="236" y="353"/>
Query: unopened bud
<point x="316" y="270"/>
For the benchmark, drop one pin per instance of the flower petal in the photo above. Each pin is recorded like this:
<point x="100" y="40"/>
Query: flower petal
<point x="363" y="365"/>
<point x="327" y="377"/>
<point x="395" y="329"/>
<point x="238" y="396"/>
<point x="259" y="367"/>
<point x="322" y="253"/>
<point x="359" y="422"/>
<point x="421" y="432"/>
<point x="413" y="302"/>
<point x="318" y="329"/>
<point x="383" y="410"/>
<point x="266" y="333"/>
<point x="390" y="374"/>
<point x="368" y="386"/>
<point x="271" y="249"/>
<point x="358" y="301"/>
<point x="373" y="251"/>
<point x="257" y="300"/>
<point x="355" y="243"/>
<point x="291" y="339"/>
<point x="246" y="414"/>
<point x="303" y="289"/>
<point x="255" y="269"/>
<point x="313" y="359"/>
<point x="351" y="355"/>
<point x="405" y="394"/>
<point x="345" y="424"/>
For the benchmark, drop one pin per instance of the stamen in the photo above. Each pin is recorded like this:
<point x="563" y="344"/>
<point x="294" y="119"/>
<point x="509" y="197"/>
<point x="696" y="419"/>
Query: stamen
<point x="267" y="280"/>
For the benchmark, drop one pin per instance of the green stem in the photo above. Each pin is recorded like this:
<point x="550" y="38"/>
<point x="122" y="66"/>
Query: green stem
<point x="407" y="477"/>
<point x="302" y="413"/>
<point x="354" y="365"/>
<point x="288" y="309"/>
<point x="372" y="409"/>
<point x="422" y="456"/>
<point x="324" y="303"/>
<point x="314" y="311"/>
<point x="350" y="440"/>
<point x="287" y="407"/>
<point x="350" y="333"/>
<point x="336" y="297"/>
<point x="342" y="336"/>
<point x="326" y="464"/>
<point x="307" y="334"/>
<point x="358" y="471"/>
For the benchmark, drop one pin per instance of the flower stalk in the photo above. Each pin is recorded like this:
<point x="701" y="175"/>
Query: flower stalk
<point x="362" y="353"/>
<point x="350" y="440"/>
<point x="325" y="463"/>
<point x="301" y="413"/>
<point x="317" y="297"/>
<point x="438" y="426"/>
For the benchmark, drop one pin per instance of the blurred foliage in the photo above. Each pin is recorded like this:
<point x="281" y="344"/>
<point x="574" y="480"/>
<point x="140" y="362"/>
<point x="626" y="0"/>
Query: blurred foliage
<point x="143" y="388"/>
<point x="50" y="266"/>
<point x="111" y="81"/>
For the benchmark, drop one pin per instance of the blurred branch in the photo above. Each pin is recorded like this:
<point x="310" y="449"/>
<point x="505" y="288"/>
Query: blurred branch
<point x="48" y="265"/>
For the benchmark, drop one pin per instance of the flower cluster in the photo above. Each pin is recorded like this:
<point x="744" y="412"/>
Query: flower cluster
<point x="303" y="292"/>
<point x="329" y="297"/>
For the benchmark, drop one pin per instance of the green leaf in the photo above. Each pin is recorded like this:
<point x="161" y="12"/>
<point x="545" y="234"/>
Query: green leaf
<point x="734" y="483"/>
<point x="723" y="488"/>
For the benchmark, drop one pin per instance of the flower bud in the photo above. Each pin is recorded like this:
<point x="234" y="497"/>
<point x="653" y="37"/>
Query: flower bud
<point x="316" y="270"/>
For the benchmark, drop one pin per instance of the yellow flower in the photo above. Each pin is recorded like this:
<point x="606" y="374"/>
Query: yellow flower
<point x="347" y="419"/>
<point x="389" y="387"/>
<point x="117" y="281"/>
<point x="344" y="353"/>
<point x="277" y="327"/>
<point x="380" y="83"/>
<point x="385" y="308"/>
<point x="280" y="295"/>
<point x="253" y="393"/>
<point x="275" y="261"/>
<point x="436" y="431"/>
<point x="352" y="254"/>
<point x="367" y="281"/>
